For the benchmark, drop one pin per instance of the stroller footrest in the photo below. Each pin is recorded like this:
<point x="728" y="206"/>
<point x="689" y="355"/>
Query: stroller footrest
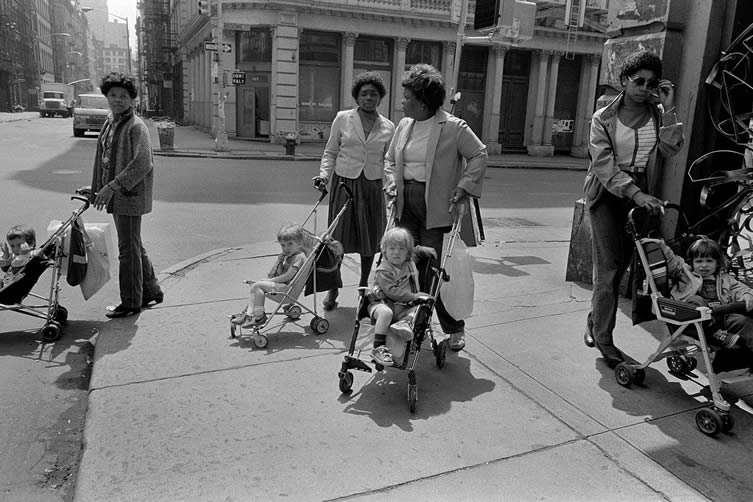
<point x="677" y="311"/>
<point x="353" y="363"/>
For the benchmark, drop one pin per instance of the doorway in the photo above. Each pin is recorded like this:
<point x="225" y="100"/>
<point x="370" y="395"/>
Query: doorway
<point x="246" y="112"/>
<point x="512" y="113"/>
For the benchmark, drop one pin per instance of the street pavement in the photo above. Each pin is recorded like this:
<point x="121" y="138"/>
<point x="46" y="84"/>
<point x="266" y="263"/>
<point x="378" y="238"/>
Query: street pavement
<point x="180" y="411"/>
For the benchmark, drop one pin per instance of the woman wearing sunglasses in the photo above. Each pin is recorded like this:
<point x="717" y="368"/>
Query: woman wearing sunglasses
<point x="629" y="137"/>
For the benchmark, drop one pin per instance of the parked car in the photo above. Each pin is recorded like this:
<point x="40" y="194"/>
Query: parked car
<point x="89" y="113"/>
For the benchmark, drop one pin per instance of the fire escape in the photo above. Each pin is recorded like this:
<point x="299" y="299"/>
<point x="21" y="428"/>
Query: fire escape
<point x="158" y="47"/>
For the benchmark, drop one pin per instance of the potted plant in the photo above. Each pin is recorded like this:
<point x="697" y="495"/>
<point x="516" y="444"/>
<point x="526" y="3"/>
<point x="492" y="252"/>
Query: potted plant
<point x="289" y="139"/>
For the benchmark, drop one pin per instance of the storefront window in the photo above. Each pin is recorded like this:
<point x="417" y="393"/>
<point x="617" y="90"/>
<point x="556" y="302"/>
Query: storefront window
<point x="319" y="73"/>
<point x="254" y="46"/>
<point x="423" y="52"/>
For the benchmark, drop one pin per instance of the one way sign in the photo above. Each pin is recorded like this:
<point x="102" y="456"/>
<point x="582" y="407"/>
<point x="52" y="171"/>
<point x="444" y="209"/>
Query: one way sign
<point x="212" y="46"/>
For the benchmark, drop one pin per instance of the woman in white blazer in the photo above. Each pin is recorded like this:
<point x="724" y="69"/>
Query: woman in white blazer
<point x="354" y="155"/>
<point x="435" y="161"/>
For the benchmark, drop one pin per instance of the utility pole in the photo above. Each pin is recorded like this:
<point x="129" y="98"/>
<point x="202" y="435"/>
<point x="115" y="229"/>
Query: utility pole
<point x="220" y="138"/>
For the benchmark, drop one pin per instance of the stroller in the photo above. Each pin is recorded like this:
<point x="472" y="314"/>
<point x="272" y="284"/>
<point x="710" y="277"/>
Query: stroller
<point x="431" y="279"/>
<point x="680" y="351"/>
<point x="49" y="254"/>
<point x="320" y="272"/>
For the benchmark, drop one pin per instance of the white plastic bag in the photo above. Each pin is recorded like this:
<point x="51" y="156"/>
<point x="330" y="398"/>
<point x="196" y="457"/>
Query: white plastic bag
<point x="457" y="292"/>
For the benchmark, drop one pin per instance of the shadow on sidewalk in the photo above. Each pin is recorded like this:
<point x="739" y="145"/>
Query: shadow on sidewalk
<point x="383" y="396"/>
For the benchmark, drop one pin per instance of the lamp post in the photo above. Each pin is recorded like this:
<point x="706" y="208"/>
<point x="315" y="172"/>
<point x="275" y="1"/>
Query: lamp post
<point x="128" y="31"/>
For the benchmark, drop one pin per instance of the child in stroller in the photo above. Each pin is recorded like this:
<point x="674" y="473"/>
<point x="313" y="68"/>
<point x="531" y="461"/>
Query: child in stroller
<point x="711" y="285"/>
<point x="289" y="261"/>
<point x="16" y="253"/>
<point x="395" y="287"/>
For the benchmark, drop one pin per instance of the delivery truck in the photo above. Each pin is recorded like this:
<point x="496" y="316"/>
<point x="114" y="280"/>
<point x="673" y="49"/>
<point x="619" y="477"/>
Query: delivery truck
<point x="55" y="99"/>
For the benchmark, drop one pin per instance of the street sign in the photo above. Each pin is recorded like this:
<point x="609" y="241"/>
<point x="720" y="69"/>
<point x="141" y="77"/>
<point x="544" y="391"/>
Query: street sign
<point x="212" y="46"/>
<point x="239" y="77"/>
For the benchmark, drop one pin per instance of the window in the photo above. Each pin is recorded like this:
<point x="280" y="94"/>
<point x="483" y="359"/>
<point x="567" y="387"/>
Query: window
<point x="319" y="73"/>
<point x="419" y="51"/>
<point x="254" y="46"/>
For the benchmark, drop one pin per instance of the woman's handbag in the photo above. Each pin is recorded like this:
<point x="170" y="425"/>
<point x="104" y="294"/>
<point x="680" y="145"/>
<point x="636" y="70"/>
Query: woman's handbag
<point x="457" y="292"/>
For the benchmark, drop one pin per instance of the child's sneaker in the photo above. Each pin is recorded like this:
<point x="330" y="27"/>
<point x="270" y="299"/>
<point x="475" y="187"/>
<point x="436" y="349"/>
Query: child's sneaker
<point x="724" y="339"/>
<point x="239" y="318"/>
<point x="403" y="329"/>
<point x="253" y="322"/>
<point x="381" y="355"/>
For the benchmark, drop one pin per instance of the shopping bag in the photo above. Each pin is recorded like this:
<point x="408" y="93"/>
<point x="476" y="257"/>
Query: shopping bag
<point x="457" y="292"/>
<point x="77" y="254"/>
<point x="97" y="270"/>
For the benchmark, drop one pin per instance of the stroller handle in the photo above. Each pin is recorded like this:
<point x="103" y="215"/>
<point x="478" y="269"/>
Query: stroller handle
<point x="729" y="308"/>
<point x="347" y="190"/>
<point x="82" y="199"/>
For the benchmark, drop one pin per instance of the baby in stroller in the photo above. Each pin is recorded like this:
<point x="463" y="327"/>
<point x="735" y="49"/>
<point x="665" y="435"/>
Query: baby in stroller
<point x="395" y="285"/>
<point x="289" y="261"/>
<point x="704" y="283"/>
<point x="710" y="285"/>
<point x="16" y="253"/>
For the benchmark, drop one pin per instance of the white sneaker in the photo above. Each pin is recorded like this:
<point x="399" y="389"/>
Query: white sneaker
<point x="403" y="329"/>
<point x="381" y="355"/>
<point x="457" y="341"/>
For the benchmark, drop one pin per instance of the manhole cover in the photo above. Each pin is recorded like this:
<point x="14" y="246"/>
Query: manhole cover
<point x="65" y="171"/>
<point x="509" y="222"/>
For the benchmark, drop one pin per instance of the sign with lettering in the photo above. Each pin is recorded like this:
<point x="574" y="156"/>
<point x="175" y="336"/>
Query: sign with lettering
<point x="212" y="46"/>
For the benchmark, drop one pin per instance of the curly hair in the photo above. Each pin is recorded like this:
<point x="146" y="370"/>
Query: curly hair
<point x="119" y="79"/>
<point x="641" y="60"/>
<point x="368" y="77"/>
<point x="427" y="84"/>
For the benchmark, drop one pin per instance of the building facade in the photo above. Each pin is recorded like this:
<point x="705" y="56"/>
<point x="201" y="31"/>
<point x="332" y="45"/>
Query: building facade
<point x="299" y="60"/>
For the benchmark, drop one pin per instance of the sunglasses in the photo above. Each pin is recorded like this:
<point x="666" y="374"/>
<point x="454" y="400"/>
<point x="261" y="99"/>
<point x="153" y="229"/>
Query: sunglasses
<point x="640" y="82"/>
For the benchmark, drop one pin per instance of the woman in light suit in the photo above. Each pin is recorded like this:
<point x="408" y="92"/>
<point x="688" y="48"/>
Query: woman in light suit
<point x="354" y="155"/>
<point x="435" y="162"/>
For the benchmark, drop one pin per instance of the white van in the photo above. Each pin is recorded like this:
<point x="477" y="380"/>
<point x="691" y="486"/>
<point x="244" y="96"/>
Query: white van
<point x="89" y="113"/>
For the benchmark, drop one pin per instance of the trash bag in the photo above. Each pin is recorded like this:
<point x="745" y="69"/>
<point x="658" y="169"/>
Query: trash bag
<point x="97" y="270"/>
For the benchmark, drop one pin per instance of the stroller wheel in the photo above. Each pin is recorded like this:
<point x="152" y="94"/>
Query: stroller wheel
<point x="440" y="352"/>
<point x="260" y="340"/>
<point x="623" y="374"/>
<point x="677" y="364"/>
<point x="60" y="314"/>
<point x="320" y="325"/>
<point x="232" y="330"/>
<point x="708" y="421"/>
<point x="412" y="391"/>
<point x="346" y="382"/>
<point x="51" y="332"/>
<point x="293" y="312"/>
<point x="728" y="422"/>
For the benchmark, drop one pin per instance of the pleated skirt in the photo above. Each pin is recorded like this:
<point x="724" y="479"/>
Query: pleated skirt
<point x="363" y="223"/>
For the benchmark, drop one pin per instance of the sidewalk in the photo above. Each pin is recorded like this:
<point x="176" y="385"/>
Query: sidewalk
<point x="179" y="411"/>
<point x="189" y="141"/>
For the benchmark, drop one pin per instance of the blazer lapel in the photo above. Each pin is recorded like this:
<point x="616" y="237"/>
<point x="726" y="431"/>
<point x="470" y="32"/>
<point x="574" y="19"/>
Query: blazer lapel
<point x="355" y="122"/>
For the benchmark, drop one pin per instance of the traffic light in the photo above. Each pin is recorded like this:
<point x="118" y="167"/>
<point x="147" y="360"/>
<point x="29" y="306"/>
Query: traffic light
<point x="486" y="14"/>
<point x="204" y="7"/>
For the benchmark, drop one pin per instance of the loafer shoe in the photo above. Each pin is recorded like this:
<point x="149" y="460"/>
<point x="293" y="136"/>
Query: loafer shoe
<point x="588" y="339"/>
<point x="156" y="299"/>
<point x="457" y="341"/>
<point x="121" y="311"/>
